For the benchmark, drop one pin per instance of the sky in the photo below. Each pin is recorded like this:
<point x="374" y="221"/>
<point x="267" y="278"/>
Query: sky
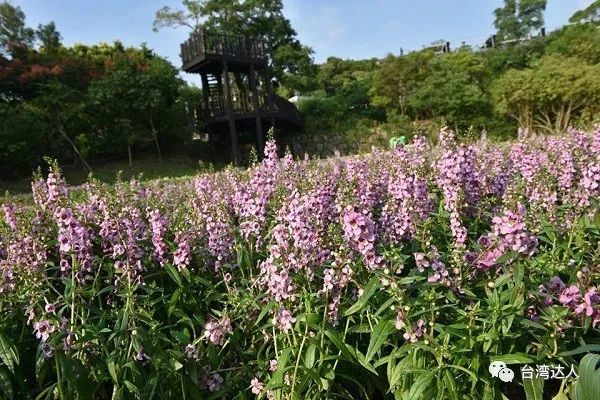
<point x="353" y="29"/>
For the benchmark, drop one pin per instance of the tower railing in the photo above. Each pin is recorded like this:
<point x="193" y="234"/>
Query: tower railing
<point x="204" y="45"/>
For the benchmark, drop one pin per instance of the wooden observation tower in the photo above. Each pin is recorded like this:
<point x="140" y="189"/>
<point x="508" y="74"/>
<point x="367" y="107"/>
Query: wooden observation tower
<point x="239" y="101"/>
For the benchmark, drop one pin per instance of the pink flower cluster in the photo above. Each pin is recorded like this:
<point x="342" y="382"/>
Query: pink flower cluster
<point x="359" y="232"/>
<point x="508" y="234"/>
<point x="216" y="331"/>
<point x="412" y="333"/>
<point x="582" y="303"/>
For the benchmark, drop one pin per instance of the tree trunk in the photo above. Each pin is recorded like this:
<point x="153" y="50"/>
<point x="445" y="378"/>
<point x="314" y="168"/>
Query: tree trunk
<point x="61" y="129"/>
<point x="155" y="135"/>
<point x="129" y="155"/>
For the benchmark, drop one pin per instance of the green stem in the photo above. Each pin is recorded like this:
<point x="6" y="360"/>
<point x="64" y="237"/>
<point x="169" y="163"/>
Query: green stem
<point x="298" y="357"/>
<point x="59" y="379"/>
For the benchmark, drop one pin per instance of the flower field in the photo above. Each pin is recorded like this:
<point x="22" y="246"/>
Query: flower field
<point x="397" y="274"/>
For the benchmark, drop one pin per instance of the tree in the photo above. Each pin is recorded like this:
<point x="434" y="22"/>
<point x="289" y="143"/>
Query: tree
<point x="49" y="37"/>
<point x="590" y="14"/>
<point x="136" y="89"/>
<point x="251" y="18"/>
<point x="13" y="32"/>
<point x="580" y="40"/>
<point x="453" y="89"/>
<point x="551" y="94"/>
<point x="518" y="18"/>
<point x="397" y="78"/>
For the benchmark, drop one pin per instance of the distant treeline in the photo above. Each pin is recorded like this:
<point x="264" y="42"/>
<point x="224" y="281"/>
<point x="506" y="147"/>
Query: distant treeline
<point x="544" y="83"/>
<point x="83" y="103"/>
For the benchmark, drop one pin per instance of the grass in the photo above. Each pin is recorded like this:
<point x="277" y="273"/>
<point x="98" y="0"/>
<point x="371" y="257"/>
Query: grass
<point x="147" y="168"/>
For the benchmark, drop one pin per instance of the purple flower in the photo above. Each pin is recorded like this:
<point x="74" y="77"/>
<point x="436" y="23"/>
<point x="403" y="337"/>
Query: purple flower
<point x="272" y="365"/>
<point x="400" y="320"/>
<point x="191" y="352"/>
<point x="43" y="329"/>
<point x="590" y="299"/>
<point x="214" y="382"/>
<point x="415" y="332"/>
<point x="570" y="296"/>
<point x="47" y="350"/>
<point x="182" y="256"/>
<point x="141" y="356"/>
<point x="284" y="319"/>
<point x="158" y="225"/>
<point x="50" y="308"/>
<point x="9" y="216"/>
<point x="215" y="331"/>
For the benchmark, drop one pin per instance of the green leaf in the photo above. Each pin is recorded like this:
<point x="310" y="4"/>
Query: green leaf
<point x="362" y="301"/>
<point x="588" y="348"/>
<point x="534" y="388"/>
<point x="174" y="274"/>
<point x="8" y="353"/>
<point x="409" y="279"/>
<point x="507" y="257"/>
<point x="422" y="382"/>
<point x="515" y="358"/>
<point x="309" y="357"/>
<point x="112" y="370"/>
<point x="339" y="343"/>
<point x="533" y="324"/>
<point x="382" y="330"/>
<point x="176" y="365"/>
<point x="277" y="378"/>
<point x="588" y="385"/>
<point x="264" y="311"/>
<point x="132" y="388"/>
<point x="450" y="384"/>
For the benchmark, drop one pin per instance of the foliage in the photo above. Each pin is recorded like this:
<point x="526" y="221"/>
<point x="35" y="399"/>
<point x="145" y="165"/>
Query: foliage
<point x="290" y="60"/>
<point x="581" y="41"/>
<point x="454" y="88"/>
<point x="518" y="18"/>
<point x="397" y="274"/>
<point x="397" y="78"/>
<point x="551" y="94"/>
<point x="13" y="31"/>
<point x="590" y="14"/>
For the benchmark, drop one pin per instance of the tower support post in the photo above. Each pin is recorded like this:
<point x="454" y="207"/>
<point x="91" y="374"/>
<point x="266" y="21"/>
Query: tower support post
<point x="235" y="151"/>
<point x="260" y="140"/>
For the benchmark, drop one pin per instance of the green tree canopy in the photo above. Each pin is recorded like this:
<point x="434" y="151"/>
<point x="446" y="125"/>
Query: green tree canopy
<point x="49" y="37"/>
<point x="453" y="89"/>
<point x="518" y="18"/>
<point x="579" y="40"/>
<point x="13" y="31"/>
<point x="589" y="14"/>
<point x="397" y="78"/>
<point x="251" y="18"/>
<point x="548" y="95"/>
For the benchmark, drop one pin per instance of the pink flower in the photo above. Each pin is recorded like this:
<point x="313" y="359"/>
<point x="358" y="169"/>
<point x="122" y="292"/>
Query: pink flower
<point x="415" y="332"/>
<point x="570" y="296"/>
<point x="272" y="365"/>
<point x="50" y="308"/>
<point x="284" y="319"/>
<point x="257" y="386"/>
<point x="215" y="331"/>
<point x="590" y="299"/>
<point x="43" y="329"/>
